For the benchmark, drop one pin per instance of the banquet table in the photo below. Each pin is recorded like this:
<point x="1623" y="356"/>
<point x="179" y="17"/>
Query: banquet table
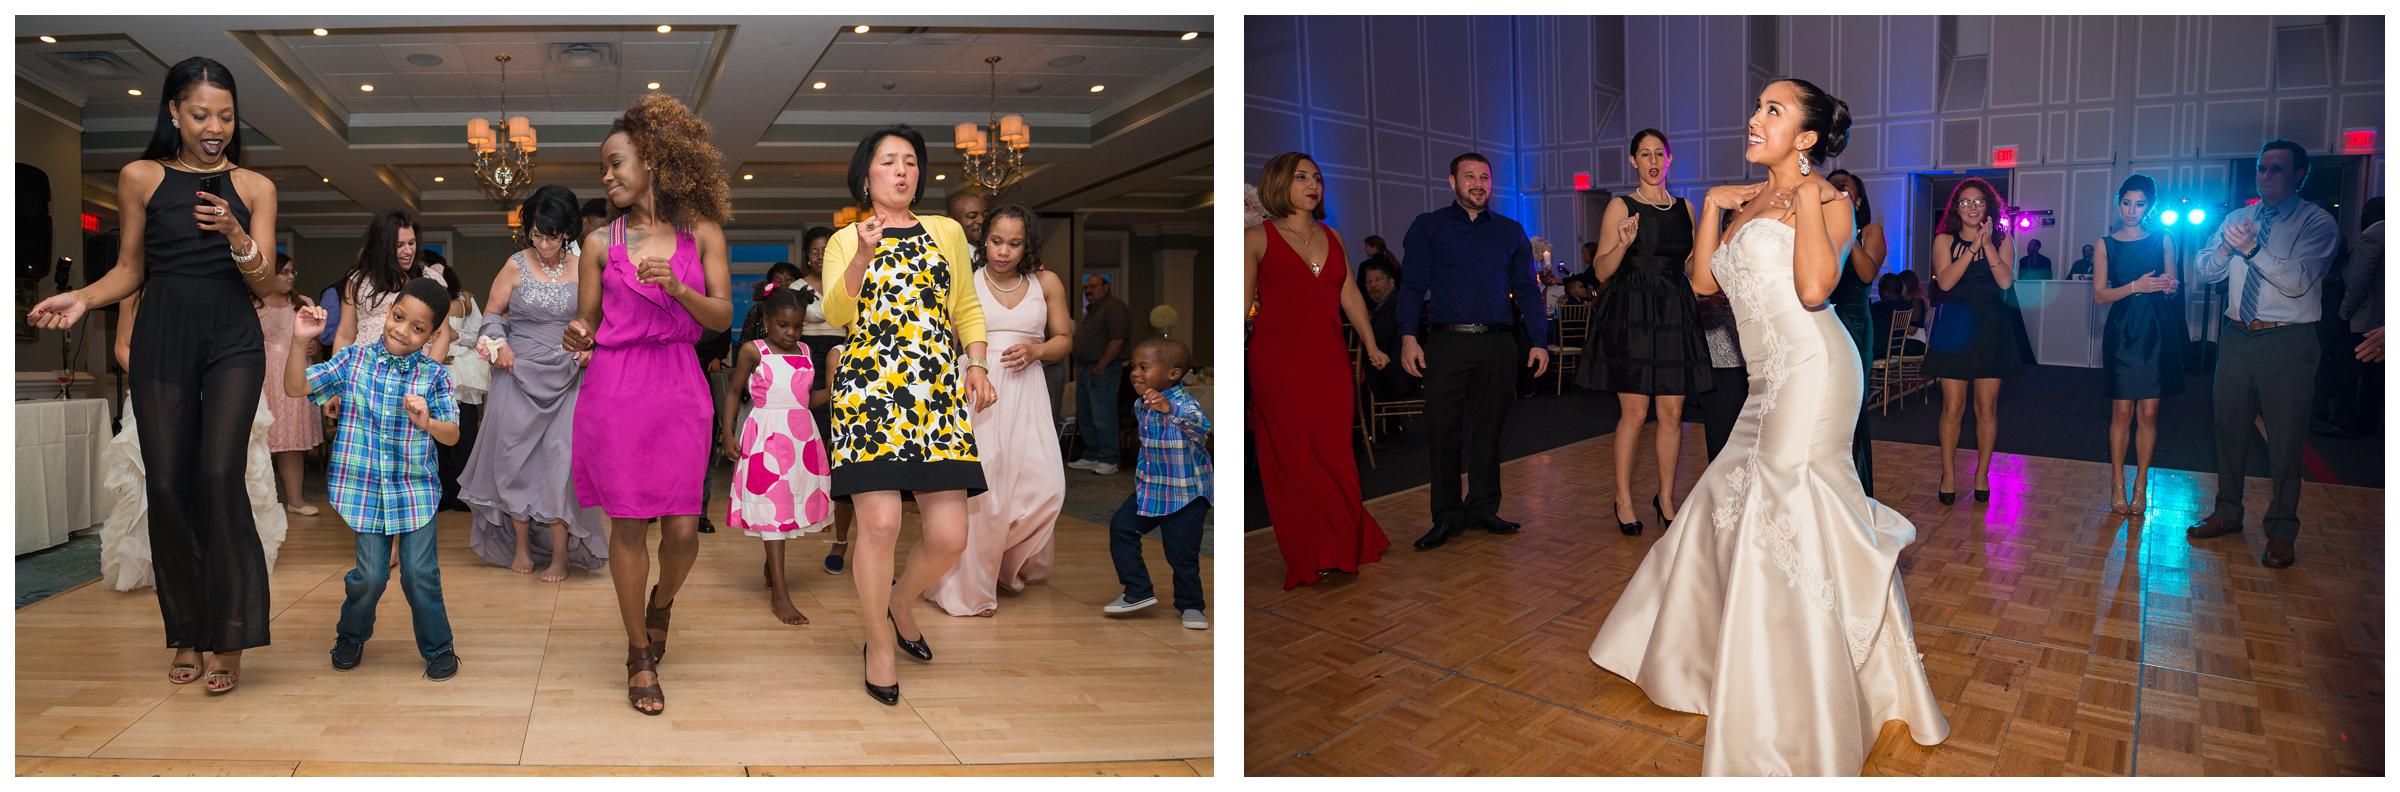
<point x="59" y="444"/>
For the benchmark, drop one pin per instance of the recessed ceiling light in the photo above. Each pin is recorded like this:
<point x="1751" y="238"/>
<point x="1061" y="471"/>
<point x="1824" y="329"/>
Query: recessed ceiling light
<point x="1099" y="88"/>
<point x="666" y="28"/>
<point x="860" y="29"/>
<point x="49" y="40"/>
<point x="133" y="92"/>
<point x="437" y="179"/>
<point x="1192" y="35"/>
<point x="371" y="88"/>
<point x="654" y="86"/>
<point x="325" y="180"/>
<point x="319" y="31"/>
<point x="940" y="176"/>
<point x="746" y="177"/>
<point x="818" y="86"/>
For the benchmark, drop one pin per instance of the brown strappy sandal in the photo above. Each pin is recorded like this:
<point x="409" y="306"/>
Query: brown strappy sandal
<point x="636" y="661"/>
<point x="654" y="619"/>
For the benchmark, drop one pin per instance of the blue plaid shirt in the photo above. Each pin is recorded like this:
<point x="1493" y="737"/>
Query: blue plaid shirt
<point x="1174" y="468"/>
<point x="383" y="476"/>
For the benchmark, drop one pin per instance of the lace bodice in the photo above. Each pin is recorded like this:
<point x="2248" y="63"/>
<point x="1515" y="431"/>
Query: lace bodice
<point x="1754" y="267"/>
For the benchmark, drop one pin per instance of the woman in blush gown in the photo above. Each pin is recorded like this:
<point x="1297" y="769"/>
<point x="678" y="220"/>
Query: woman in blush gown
<point x="1775" y="606"/>
<point x="1298" y="278"/>
<point x="1009" y="526"/>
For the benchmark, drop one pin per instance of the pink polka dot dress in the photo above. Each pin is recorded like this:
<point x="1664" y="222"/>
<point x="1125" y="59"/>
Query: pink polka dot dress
<point x="782" y="487"/>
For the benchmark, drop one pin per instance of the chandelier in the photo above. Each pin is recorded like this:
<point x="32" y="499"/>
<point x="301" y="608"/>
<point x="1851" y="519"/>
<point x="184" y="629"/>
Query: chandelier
<point x="503" y="150"/>
<point x="994" y="152"/>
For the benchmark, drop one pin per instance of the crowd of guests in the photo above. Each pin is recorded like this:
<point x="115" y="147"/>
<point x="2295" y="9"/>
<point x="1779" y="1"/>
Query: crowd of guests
<point x="1662" y="349"/>
<point x="575" y="412"/>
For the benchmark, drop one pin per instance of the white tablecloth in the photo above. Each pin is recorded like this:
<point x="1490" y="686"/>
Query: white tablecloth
<point x="58" y="470"/>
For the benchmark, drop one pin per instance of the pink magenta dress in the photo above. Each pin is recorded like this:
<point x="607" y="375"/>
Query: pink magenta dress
<point x="783" y="487"/>
<point x="1009" y="526"/>
<point x="296" y="427"/>
<point x="641" y="420"/>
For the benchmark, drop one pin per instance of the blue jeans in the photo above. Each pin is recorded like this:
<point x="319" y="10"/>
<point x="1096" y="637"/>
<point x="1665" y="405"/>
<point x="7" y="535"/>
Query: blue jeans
<point x="1180" y="532"/>
<point x="1096" y="411"/>
<point x="420" y="580"/>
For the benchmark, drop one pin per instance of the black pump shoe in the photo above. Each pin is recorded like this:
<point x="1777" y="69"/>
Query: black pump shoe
<point x="1658" y="505"/>
<point x="1983" y="496"/>
<point x="1947" y="498"/>
<point x="889" y="695"/>
<point x="1630" y="528"/>
<point x="917" y="648"/>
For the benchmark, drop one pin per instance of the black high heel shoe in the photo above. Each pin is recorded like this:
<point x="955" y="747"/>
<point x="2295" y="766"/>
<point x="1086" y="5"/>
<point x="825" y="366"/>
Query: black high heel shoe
<point x="917" y="648"/>
<point x="888" y="694"/>
<point x="1665" y="522"/>
<point x="1630" y="528"/>
<point x="1983" y="496"/>
<point x="1946" y="498"/>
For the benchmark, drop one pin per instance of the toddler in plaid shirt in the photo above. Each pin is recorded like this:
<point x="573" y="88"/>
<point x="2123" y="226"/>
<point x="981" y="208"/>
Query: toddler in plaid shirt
<point x="384" y="479"/>
<point x="1171" y="482"/>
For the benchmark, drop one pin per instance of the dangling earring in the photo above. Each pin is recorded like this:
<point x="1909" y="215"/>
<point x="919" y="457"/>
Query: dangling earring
<point x="1804" y="166"/>
<point x="178" y="123"/>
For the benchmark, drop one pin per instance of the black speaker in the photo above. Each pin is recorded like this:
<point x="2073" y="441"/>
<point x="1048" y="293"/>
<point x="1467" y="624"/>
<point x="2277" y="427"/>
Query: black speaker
<point x="33" y="222"/>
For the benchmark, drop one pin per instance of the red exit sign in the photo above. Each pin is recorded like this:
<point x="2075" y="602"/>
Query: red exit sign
<point x="91" y="222"/>
<point x="2004" y="157"/>
<point x="1583" y="181"/>
<point x="2358" y="141"/>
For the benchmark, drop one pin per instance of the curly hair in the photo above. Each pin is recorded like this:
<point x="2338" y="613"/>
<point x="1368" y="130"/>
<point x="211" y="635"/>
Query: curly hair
<point x="1994" y="209"/>
<point x="687" y="174"/>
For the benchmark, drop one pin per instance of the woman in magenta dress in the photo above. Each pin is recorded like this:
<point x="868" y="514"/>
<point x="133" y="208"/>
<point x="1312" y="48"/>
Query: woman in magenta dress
<point x="641" y="421"/>
<point x="1295" y="278"/>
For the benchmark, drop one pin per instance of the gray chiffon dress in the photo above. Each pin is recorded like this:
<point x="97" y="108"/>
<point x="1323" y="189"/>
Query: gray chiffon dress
<point x="519" y="469"/>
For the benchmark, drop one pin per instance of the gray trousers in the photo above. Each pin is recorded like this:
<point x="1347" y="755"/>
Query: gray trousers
<point x="2267" y="374"/>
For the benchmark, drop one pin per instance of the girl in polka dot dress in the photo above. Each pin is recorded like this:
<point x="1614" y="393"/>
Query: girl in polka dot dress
<point x="781" y="486"/>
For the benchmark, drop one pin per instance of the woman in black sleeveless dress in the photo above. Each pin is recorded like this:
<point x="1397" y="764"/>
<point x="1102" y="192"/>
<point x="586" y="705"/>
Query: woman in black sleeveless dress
<point x="2141" y="347"/>
<point x="1646" y="329"/>
<point x="1851" y="304"/>
<point x="1974" y="335"/>
<point x="198" y="363"/>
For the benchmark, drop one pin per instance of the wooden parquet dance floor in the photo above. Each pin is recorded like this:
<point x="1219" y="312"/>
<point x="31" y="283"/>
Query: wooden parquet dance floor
<point x="2060" y="639"/>
<point x="1048" y="686"/>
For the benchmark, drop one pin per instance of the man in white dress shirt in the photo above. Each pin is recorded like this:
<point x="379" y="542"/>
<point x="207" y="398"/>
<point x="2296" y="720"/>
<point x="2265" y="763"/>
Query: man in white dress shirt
<point x="2274" y="254"/>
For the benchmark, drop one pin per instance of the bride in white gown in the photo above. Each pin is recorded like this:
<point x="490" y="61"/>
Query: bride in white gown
<point x="125" y="535"/>
<point x="1774" y="605"/>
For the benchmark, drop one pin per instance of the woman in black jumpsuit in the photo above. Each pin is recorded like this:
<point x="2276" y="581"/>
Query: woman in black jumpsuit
<point x="197" y="364"/>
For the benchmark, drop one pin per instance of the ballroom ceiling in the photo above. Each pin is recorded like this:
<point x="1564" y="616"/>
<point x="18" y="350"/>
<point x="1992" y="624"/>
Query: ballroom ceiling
<point x="1121" y="107"/>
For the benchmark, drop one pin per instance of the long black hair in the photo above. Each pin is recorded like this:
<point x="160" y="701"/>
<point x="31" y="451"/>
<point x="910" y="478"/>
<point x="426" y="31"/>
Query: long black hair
<point x="165" y="140"/>
<point x="378" y="267"/>
<point x="1864" y="215"/>
<point x="1032" y="262"/>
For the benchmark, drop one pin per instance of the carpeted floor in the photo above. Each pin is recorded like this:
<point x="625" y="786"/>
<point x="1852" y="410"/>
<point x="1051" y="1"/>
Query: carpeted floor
<point x="2051" y="411"/>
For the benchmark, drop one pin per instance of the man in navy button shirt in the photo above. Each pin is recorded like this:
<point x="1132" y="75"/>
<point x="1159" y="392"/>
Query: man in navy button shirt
<point x="1466" y="281"/>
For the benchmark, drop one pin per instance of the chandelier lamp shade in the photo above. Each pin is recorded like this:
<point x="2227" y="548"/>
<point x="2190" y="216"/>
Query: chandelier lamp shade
<point x="503" y="150"/>
<point x="994" y="152"/>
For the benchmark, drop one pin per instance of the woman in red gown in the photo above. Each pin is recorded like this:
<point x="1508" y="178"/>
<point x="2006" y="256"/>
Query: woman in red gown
<point x="1295" y="279"/>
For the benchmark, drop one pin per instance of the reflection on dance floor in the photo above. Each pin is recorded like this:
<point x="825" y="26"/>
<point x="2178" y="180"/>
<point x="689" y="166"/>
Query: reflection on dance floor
<point x="2060" y="639"/>
<point x="1048" y="679"/>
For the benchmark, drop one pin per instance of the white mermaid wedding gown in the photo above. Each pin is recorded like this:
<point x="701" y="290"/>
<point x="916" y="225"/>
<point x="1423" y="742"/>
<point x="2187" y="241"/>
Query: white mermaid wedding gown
<point x="125" y="535"/>
<point x="1774" y="605"/>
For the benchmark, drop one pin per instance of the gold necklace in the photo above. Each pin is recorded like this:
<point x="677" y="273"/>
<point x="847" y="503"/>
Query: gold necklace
<point x="1315" y="261"/>
<point x="221" y="166"/>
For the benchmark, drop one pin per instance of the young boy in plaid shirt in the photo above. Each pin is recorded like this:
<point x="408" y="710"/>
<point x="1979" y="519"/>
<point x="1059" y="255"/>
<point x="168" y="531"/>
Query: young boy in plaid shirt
<point x="1171" y="483"/>
<point x="385" y="481"/>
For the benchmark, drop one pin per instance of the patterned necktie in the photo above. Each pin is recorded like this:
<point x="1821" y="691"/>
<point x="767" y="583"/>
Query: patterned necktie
<point x="2252" y="281"/>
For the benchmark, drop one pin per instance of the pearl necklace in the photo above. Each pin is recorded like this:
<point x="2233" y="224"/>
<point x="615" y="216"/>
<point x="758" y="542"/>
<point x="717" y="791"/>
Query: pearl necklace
<point x="1637" y="196"/>
<point x="987" y="278"/>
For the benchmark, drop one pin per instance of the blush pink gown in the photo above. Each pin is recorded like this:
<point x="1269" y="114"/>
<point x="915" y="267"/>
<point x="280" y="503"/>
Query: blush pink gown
<point x="1009" y="526"/>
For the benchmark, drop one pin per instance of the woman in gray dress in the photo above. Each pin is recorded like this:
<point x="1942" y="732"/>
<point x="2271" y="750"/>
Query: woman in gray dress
<point x="518" y="476"/>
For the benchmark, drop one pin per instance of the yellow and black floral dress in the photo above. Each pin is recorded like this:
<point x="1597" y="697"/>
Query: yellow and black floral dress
<point x="900" y="405"/>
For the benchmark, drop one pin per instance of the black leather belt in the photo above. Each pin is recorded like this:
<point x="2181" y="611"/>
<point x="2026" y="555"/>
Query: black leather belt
<point x="1472" y="329"/>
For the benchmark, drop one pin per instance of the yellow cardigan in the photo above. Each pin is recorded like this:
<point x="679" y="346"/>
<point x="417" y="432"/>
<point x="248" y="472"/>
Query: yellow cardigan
<point x="965" y="308"/>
